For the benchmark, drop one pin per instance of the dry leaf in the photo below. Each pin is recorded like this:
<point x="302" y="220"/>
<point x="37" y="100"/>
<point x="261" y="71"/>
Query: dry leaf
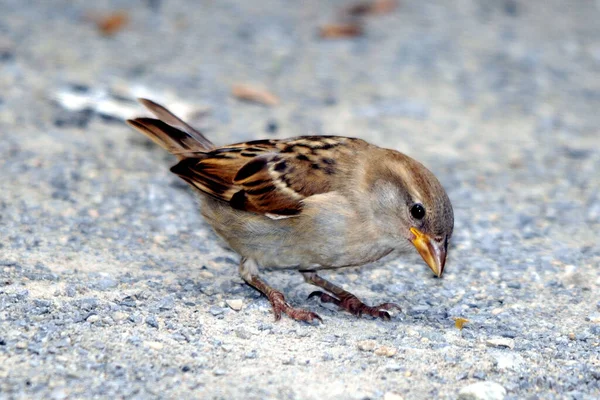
<point x="385" y="351"/>
<point x="110" y="24"/>
<point x="257" y="95"/>
<point x="373" y="8"/>
<point x="460" y="322"/>
<point x="338" y="31"/>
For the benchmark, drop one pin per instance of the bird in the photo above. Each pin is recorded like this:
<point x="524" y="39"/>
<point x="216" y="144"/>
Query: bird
<point x="309" y="203"/>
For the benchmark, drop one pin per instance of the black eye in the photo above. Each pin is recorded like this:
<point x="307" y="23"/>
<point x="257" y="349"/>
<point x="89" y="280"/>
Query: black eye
<point x="417" y="211"/>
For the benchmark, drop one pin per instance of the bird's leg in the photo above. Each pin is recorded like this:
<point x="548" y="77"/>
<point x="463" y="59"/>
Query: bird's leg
<point x="249" y="272"/>
<point x="346" y="300"/>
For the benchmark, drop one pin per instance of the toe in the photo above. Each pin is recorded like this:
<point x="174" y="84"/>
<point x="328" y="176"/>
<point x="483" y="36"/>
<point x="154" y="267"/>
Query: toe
<point x="324" y="297"/>
<point x="389" y="306"/>
<point x="303" y="315"/>
<point x="316" y="293"/>
<point x="313" y="316"/>
<point x="384" y="315"/>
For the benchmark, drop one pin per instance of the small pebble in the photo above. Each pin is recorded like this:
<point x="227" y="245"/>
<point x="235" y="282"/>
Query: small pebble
<point x="99" y="345"/>
<point x="93" y="318"/>
<point x="251" y="355"/>
<point x="593" y="318"/>
<point x="167" y="303"/>
<point x="119" y="316"/>
<point x="235" y="304"/>
<point x="386" y="351"/>
<point x="106" y="283"/>
<point x="303" y="332"/>
<point x="508" y="361"/>
<point x="514" y="285"/>
<point x="135" y="318"/>
<point x="392" y="396"/>
<point x="366" y="345"/>
<point x="242" y="333"/>
<point x="393" y="367"/>
<point x="482" y="391"/>
<point x="152" y="321"/>
<point x="42" y="303"/>
<point x="227" y="348"/>
<point x="501" y="342"/>
<point x="215" y="310"/>
<point x="58" y="394"/>
<point x="481" y="375"/>
<point x="154" y="345"/>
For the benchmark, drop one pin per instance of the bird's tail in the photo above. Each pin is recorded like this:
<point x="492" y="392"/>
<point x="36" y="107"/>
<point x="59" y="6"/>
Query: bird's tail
<point x="170" y="132"/>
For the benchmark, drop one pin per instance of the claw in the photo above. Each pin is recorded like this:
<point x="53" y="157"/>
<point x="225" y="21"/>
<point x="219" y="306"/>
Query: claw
<point x="315" y="316"/>
<point x="345" y="299"/>
<point x="315" y="294"/>
<point x="353" y="305"/>
<point x="277" y="300"/>
<point x="281" y="306"/>
<point x="385" y="315"/>
<point x="325" y="298"/>
<point x="388" y="306"/>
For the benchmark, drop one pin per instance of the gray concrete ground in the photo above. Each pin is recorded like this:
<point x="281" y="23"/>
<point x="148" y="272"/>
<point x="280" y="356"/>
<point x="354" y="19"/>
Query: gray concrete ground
<point x="112" y="286"/>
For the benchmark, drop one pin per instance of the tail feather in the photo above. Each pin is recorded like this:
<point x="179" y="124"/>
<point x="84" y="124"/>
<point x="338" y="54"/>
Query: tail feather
<point x="170" y="132"/>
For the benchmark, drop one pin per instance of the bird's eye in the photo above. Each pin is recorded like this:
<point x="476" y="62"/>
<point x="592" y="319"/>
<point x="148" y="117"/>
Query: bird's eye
<point x="417" y="211"/>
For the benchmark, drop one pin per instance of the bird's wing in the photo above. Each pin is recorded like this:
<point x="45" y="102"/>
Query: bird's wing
<point x="271" y="177"/>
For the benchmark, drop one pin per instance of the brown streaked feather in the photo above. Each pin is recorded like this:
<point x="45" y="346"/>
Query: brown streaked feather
<point x="171" y="119"/>
<point x="173" y="140"/>
<point x="270" y="177"/>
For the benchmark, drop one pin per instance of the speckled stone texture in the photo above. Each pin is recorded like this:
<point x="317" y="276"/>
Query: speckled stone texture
<point x="112" y="286"/>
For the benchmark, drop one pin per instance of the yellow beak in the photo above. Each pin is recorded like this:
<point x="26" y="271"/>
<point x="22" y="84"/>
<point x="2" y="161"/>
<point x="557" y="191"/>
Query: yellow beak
<point x="432" y="251"/>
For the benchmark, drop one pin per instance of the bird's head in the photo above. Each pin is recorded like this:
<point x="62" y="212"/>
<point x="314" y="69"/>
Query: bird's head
<point x="411" y="205"/>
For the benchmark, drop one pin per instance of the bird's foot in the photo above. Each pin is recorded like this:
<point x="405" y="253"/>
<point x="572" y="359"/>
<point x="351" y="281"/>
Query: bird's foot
<point x="249" y="272"/>
<point x="281" y="306"/>
<point x="352" y="304"/>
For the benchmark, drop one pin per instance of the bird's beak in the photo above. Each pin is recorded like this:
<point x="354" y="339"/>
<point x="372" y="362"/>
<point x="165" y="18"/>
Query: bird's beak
<point x="432" y="251"/>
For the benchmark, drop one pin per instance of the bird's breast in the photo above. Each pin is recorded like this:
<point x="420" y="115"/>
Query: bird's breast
<point x="327" y="234"/>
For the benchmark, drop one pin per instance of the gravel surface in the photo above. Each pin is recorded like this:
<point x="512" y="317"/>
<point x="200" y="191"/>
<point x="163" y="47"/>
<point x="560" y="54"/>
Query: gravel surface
<point x="112" y="286"/>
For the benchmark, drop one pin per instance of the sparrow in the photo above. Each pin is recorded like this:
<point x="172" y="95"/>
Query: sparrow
<point x="309" y="203"/>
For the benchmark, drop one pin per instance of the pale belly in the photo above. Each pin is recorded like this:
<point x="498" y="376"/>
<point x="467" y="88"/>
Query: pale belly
<point x="319" y="238"/>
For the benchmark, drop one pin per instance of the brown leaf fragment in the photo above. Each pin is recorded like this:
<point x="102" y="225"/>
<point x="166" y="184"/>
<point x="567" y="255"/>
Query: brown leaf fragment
<point x="110" y="24"/>
<point x="254" y="94"/>
<point x="376" y="7"/>
<point x="341" y="30"/>
<point x="460" y="322"/>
